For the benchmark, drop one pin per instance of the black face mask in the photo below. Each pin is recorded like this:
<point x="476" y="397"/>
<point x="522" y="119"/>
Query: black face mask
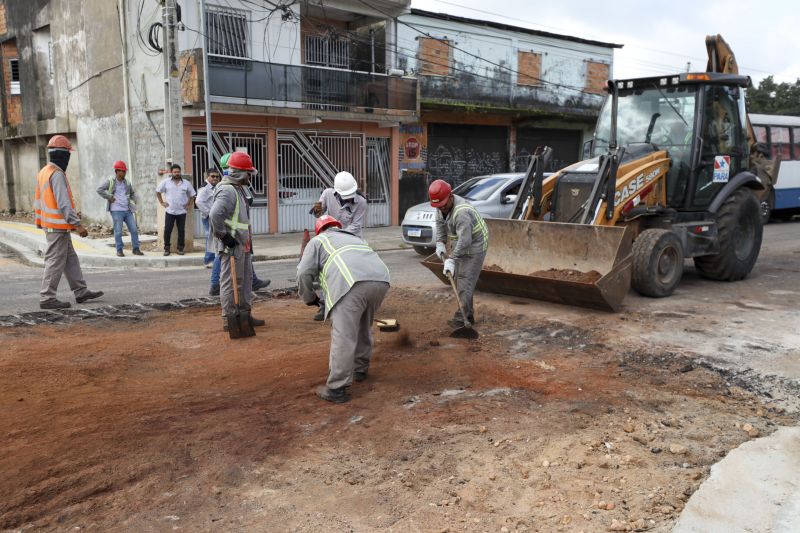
<point x="60" y="158"/>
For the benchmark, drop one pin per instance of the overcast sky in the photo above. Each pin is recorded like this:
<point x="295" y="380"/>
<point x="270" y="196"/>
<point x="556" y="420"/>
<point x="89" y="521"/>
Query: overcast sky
<point x="659" y="37"/>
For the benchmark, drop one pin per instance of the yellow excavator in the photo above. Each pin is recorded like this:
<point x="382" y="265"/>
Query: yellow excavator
<point x="666" y="177"/>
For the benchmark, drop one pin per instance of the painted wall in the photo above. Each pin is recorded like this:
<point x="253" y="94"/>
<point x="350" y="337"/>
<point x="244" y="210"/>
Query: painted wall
<point x="493" y="79"/>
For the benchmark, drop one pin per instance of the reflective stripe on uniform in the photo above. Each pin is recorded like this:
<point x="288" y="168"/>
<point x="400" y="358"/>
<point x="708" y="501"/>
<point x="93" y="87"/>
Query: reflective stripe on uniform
<point x="233" y="222"/>
<point x="478" y="227"/>
<point x="335" y="257"/>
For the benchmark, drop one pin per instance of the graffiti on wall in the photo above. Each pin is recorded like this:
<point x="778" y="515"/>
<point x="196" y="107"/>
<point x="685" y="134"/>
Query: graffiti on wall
<point x="457" y="165"/>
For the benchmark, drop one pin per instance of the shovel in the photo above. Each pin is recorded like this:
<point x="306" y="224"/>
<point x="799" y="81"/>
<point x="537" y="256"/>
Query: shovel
<point x="239" y="324"/>
<point x="466" y="331"/>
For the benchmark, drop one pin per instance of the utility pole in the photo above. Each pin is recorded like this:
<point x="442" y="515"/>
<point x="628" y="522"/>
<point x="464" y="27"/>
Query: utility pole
<point x="7" y="163"/>
<point x="173" y="115"/>
<point x="206" y="96"/>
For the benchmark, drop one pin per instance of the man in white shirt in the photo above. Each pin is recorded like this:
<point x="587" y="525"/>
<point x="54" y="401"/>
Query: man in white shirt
<point x="179" y="195"/>
<point x="205" y="199"/>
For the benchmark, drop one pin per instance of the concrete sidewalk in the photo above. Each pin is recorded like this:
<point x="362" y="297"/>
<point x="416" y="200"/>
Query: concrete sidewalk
<point x="29" y="244"/>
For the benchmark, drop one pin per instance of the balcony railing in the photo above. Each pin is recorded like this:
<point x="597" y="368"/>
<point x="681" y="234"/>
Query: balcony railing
<point x="312" y="87"/>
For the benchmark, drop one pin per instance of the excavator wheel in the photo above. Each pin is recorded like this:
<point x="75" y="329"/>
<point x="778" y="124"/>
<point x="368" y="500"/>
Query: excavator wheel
<point x="740" y="231"/>
<point x="657" y="263"/>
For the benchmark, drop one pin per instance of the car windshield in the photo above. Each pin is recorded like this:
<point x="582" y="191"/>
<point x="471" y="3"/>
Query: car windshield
<point x="479" y="188"/>
<point x="661" y="115"/>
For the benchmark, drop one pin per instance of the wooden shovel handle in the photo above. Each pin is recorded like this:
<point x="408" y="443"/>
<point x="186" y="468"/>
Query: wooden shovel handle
<point x="235" y="282"/>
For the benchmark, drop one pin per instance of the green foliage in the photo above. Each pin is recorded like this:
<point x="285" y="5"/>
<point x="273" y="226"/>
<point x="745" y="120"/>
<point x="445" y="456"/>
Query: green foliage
<point x="774" y="98"/>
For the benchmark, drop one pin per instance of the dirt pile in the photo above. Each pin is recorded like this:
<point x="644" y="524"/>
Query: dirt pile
<point x="566" y="274"/>
<point x="167" y="423"/>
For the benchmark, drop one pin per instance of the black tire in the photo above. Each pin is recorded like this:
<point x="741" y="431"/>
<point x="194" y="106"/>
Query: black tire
<point x="767" y="205"/>
<point x="657" y="263"/>
<point x="740" y="231"/>
<point x="423" y="250"/>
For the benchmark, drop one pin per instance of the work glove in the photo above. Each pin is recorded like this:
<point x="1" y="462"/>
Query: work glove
<point x="449" y="267"/>
<point x="317" y="209"/>
<point x="229" y="241"/>
<point x="315" y="302"/>
<point x="441" y="250"/>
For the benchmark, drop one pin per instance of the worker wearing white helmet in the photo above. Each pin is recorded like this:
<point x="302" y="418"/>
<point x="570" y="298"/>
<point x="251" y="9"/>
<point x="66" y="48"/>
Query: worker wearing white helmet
<point x="345" y="203"/>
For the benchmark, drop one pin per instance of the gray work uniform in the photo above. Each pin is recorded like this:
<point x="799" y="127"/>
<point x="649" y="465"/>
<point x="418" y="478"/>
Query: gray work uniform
<point x="351" y="215"/>
<point x="230" y="214"/>
<point x="354" y="281"/>
<point x="468" y="236"/>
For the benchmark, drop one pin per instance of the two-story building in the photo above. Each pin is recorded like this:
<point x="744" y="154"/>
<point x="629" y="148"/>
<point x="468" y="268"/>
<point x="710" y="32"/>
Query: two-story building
<point x="308" y="89"/>
<point x="490" y="93"/>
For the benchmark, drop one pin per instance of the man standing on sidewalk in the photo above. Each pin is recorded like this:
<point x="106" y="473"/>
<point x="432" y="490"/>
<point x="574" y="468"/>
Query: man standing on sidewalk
<point x="179" y="195"/>
<point x="230" y="222"/>
<point x="118" y="191"/>
<point x="56" y="215"/>
<point x="205" y="199"/>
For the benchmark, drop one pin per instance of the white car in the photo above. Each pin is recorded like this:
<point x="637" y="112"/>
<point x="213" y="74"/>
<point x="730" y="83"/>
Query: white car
<point x="493" y="196"/>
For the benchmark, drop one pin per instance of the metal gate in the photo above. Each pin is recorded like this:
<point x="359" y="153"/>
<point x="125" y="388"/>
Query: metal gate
<point x="254" y="144"/>
<point x="307" y="163"/>
<point x="379" y="175"/>
<point x="457" y="152"/>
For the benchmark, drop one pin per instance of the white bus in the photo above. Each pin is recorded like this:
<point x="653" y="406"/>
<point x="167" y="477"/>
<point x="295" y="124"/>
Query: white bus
<point x="781" y="134"/>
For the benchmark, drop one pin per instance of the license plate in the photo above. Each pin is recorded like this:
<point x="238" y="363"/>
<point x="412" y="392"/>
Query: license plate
<point x="415" y="233"/>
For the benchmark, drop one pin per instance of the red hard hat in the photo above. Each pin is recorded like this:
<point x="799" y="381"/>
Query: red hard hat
<point x="59" y="141"/>
<point x="439" y="192"/>
<point x="120" y="165"/>
<point x="240" y="161"/>
<point x="324" y="222"/>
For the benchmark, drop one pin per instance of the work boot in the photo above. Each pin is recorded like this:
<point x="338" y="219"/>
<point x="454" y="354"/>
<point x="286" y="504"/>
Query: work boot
<point x="214" y="290"/>
<point x="333" y="395"/>
<point x="360" y="376"/>
<point x="52" y="303"/>
<point x="180" y="251"/>
<point x="320" y="316"/>
<point x="120" y="254"/>
<point x="260" y="284"/>
<point x="455" y="323"/>
<point x="166" y="253"/>
<point x="137" y="251"/>
<point x="255" y="322"/>
<point x="88" y="295"/>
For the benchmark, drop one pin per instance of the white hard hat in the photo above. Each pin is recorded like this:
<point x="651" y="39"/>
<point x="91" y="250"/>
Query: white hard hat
<point x="345" y="184"/>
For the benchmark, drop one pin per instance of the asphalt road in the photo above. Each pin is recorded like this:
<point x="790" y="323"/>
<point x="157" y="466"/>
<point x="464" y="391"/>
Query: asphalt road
<point x="20" y="284"/>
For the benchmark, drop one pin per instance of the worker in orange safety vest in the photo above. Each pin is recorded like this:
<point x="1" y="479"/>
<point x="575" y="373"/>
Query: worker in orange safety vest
<point x="54" y="208"/>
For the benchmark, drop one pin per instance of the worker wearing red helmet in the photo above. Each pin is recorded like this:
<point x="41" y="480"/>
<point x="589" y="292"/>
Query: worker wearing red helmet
<point x="354" y="283"/>
<point x="121" y="198"/>
<point x="459" y="224"/>
<point x="55" y="213"/>
<point x="230" y="223"/>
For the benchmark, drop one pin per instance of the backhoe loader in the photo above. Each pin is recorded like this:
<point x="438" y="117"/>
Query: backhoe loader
<point x="666" y="179"/>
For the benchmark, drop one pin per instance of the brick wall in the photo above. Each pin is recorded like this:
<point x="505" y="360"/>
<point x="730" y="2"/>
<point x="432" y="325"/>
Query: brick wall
<point x="529" y="66"/>
<point x="3" y="23"/>
<point x="13" y="102"/>
<point x="191" y="80"/>
<point x="434" y="57"/>
<point x="596" y="77"/>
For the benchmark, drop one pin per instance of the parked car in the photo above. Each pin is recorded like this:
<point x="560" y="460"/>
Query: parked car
<point x="493" y="196"/>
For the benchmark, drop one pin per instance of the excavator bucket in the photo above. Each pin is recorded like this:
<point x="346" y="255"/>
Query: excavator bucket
<point x="573" y="264"/>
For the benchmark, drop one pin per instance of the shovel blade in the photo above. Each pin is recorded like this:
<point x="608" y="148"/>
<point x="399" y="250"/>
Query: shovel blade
<point x="464" y="332"/>
<point x="239" y="325"/>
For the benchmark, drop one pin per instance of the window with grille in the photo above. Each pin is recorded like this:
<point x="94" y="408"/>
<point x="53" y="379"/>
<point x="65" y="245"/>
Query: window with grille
<point x="327" y="51"/>
<point x="13" y="66"/>
<point x="226" y="32"/>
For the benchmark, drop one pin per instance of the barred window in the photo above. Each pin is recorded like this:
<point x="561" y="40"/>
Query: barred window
<point x="13" y="66"/>
<point x="226" y="33"/>
<point x="327" y="51"/>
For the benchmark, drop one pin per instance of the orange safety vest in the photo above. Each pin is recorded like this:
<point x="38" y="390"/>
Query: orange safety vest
<point x="48" y="215"/>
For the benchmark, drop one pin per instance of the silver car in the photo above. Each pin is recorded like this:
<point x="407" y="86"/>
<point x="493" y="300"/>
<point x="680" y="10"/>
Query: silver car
<point x="493" y="196"/>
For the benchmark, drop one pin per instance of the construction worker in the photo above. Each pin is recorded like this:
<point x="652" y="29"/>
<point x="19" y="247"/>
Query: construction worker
<point x="460" y="224"/>
<point x="215" y="265"/>
<point x="354" y="282"/>
<point x="345" y="203"/>
<point x="204" y="201"/>
<point x="119" y="193"/>
<point x="55" y="214"/>
<point x="230" y="224"/>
